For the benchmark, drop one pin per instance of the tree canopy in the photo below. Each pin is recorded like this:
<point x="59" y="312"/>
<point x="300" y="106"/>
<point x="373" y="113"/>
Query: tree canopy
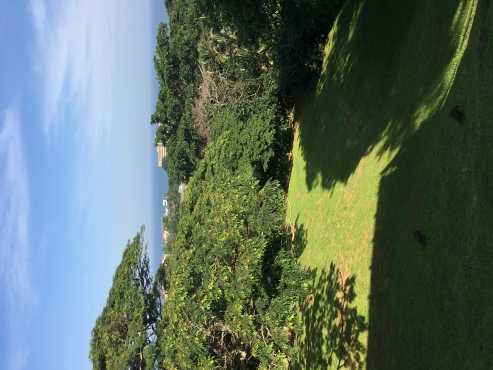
<point x="234" y="281"/>
<point x="122" y="337"/>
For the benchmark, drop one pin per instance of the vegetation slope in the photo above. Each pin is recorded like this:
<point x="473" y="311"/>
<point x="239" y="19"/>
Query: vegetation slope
<point x="229" y="286"/>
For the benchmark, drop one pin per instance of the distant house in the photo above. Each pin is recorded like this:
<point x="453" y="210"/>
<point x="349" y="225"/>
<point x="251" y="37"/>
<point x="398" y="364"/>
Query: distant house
<point x="165" y="206"/>
<point x="161" y="154"/>
<point x="165" y="236"/>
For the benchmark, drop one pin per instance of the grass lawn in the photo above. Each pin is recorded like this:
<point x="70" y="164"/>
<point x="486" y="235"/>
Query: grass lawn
<point x="392" y="180"/>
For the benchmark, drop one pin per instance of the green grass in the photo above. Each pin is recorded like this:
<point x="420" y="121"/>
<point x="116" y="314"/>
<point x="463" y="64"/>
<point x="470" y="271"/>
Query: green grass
<point x="378" y="156"/>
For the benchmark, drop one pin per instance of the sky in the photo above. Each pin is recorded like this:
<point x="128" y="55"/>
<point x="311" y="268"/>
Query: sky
<point x="78" y="174"/>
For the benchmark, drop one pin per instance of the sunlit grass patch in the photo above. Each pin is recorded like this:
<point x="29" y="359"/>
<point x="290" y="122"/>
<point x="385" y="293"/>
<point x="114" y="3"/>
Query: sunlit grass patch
<point x="379" y="157"/>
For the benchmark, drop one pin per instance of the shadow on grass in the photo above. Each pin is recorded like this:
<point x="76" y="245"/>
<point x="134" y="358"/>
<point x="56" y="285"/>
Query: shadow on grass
<point x="430" y="304"/>
<point x="377" y="88"/>
<point x="331" y="324"/>
<point x="432" y="263"/>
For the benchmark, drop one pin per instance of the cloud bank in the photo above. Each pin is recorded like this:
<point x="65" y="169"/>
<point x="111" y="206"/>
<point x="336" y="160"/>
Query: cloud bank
<point x="75" y="54"/>
<point x="15" y="281"/>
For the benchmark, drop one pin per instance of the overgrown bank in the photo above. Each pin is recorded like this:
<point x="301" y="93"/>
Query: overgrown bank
<point x="229" y="289"/>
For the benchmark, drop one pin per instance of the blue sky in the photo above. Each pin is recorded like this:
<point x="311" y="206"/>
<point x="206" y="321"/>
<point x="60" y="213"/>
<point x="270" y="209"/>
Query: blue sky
<point x="78" y="171"/>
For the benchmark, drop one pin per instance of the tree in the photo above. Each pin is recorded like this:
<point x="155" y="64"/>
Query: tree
<point x="234" y="281"/>
<point x="175" y="62"/>
<point x="122" y="337"/>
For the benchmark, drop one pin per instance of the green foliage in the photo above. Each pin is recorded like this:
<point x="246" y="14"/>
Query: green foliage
<point x="239" y="144"/>
<point x="303" y="29"/>
<point x="175" y="62"/>
<point x="288" y="34"/>
<point x="232" y="282"/>
<point x="220" y="311"/>
<point x="122" y="335"/>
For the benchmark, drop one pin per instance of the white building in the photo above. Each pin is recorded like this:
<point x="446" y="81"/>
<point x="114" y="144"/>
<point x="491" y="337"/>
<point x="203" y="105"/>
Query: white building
<point x="165" y="236"/>
<point x="165" y="206"/>
<point x="161" y="154"/>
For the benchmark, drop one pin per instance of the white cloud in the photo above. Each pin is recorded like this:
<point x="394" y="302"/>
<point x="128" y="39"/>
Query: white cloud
<point x="75" y="50"/>
<point x="14" y="203"/>
<point x="15" y="279"/>
<point x="38" y="12"/>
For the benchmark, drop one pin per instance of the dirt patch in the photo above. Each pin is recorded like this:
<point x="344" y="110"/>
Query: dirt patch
<point x="199" y="110"/>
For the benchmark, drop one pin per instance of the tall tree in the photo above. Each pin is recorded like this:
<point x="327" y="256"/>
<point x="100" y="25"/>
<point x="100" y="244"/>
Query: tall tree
<point x="122" y="337"/>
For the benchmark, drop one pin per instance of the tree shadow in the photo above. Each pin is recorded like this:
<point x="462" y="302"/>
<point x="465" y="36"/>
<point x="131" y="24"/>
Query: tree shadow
<point x="332" y="326"/>
<point x="299" y="237"/>
<point x="428" y="307"/>
<point x="432" y="264"/>
<point x="430" y="302"/>
<point x="303" y="28"/>
<point x="371" y="92"/>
